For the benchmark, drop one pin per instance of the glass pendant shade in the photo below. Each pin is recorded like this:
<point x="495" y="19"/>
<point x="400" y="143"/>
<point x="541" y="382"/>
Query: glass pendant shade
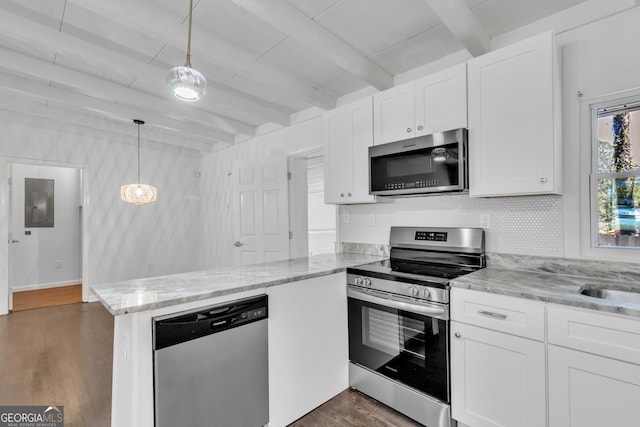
<point x="138" y="194"/>
<point x="187" y="83"/>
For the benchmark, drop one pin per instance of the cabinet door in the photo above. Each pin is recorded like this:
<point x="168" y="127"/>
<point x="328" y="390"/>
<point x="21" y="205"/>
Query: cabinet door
<point x="441" y="101"/>
<point x="497" y="379"/>
<point x="308" y="346"/>
<point x="393" y="114"/>
<point x="514" y="146"/>
<point x="349" y="134"/>
<point x="592" y="391"/>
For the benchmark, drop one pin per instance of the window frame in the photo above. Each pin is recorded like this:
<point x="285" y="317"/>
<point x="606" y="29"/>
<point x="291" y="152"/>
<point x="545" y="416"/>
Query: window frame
<point x="590" y="175"/>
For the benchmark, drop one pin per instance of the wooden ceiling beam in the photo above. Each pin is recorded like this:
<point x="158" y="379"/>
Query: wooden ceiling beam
<point x="73" y="99"/>
<point x="458" y="18"/>
<point x="295" y="24"/>
<point x="143" y="17"/>
<point x="219" y="101"/>
<point x="36" y="111"/>
<point x="115" y="93"/>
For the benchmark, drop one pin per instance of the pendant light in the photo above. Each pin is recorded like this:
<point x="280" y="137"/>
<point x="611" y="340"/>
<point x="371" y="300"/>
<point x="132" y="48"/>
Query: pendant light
<point x="187" y="83"/>
<point x="137" y="193"/>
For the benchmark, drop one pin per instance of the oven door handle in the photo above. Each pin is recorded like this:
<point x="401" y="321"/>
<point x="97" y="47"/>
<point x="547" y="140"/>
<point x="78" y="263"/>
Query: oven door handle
<point x="426" y="309"/>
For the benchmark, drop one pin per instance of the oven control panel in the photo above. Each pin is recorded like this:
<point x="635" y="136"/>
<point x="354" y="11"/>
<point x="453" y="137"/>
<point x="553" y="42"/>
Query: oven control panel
<point x="412" y="290"/>
<point x="431" y="236"/>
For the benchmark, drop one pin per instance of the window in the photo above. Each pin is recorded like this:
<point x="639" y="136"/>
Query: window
<point x="615" y="176"/>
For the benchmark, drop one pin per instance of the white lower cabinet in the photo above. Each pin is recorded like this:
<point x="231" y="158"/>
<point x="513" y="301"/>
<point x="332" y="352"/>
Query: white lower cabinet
<point x="586" y="390"/>
<point x="506" y="371"/>
<point x="308" y="346"/>
<point x="497" y="379"/>
<point x="594" y="368"/>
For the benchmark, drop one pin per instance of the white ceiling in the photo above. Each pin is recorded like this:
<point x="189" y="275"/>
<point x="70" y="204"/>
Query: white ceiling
<point x="263" y="59"/>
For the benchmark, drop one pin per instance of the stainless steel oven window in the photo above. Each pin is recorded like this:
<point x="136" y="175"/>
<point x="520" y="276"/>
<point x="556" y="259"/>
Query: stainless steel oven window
<point x="381" y="330"/>
<point x="394" y="334"/>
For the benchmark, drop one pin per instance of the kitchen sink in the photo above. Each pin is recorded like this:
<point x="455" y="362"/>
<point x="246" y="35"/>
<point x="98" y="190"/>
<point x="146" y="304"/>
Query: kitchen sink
<point x="610" y="293"/>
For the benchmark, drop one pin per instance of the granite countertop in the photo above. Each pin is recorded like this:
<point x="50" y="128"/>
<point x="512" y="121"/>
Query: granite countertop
<point x="549" y="287"/>
<point x="154" y="292"/>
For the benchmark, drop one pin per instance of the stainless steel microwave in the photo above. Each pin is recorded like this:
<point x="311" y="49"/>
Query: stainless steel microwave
<point x="424" y="165"/>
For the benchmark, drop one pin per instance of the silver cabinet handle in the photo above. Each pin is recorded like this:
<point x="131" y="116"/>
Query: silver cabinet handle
<point x="457" y="335"/>
<point x="408" y="130"/>
<point x="14" y="241"/>
<point x="492" y="314"/>
<point x="348" y="194"/>
<point x="237" y="244"/>
<point x="542" y="180"/>
<point x="420" y="127"/>
<point x="341" y="194"/>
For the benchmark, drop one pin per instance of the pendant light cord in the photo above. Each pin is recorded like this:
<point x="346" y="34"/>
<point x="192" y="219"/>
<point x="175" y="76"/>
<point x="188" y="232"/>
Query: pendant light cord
<point x="188" y="63"/>
<point x="138" y="153"/>
<point x="138" y="122"/>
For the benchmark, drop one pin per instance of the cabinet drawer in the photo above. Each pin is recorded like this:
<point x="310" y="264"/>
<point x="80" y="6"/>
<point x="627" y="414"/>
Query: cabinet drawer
<point x="595" y="332"/>
<point x="501" y="313"/>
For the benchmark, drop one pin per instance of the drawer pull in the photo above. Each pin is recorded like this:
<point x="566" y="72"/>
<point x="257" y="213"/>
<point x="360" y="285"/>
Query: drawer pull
<point x="492" y="314"/>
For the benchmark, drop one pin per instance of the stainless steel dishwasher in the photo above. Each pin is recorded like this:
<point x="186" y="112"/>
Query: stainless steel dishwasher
<point x="211" y="366"/>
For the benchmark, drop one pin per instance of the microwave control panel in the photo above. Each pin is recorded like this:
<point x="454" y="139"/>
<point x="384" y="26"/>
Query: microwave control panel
<point x="413" y="184"/>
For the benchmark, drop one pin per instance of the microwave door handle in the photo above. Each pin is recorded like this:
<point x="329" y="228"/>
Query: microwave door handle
<point x="435" y="311"/>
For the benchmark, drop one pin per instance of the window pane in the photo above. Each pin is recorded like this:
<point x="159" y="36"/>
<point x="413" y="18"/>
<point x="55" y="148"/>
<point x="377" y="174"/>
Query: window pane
<point x="619" y="212"/>
<point x="618" y="139"/>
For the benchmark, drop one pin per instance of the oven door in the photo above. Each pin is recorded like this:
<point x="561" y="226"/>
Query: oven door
<point x="400" y="339"/>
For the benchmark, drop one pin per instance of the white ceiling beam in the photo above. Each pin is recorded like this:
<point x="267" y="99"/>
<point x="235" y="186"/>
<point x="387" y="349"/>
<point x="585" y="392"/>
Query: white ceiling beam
<point x="143" y="17"/>
<point x="35" y="112"/>
<point x="73" y="99"/>
<point x="295" y="24"/>
<point x="105" y="90"/>
<point x="464" y="25"/>
<point x="220" y="101"/>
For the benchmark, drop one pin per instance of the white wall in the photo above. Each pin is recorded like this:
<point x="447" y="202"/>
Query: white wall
<point x="121" y="241"/>
<point x="49" y="256"/>
<point x="217" y="249"/>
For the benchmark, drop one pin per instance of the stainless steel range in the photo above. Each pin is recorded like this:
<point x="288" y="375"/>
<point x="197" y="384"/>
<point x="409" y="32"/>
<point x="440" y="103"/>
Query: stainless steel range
<point x="399" y="319"/>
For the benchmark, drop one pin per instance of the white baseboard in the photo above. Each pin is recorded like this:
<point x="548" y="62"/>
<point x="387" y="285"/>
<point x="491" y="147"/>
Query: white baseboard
<point x="36" y="286"/>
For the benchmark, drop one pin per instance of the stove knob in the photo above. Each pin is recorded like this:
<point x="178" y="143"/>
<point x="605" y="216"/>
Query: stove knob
<point x="358" y="281"/>
<point x="415" y="291"/>
<point x="367" y="282"/>
<point x="427" y="294"/>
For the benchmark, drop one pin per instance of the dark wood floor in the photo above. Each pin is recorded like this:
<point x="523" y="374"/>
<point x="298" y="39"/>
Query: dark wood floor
<point x="62" y="355"/>
<point x="59" y="356"/>
<point x="354" y="409"/>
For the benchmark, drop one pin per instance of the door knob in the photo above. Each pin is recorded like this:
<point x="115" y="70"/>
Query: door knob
<point x="237" y="244"/>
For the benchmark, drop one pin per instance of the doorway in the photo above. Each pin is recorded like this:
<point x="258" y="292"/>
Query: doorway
<point x="45" y="235"/>
<point x="313" y="222"/>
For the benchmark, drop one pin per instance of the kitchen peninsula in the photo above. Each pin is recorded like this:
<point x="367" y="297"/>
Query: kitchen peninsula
<point x="298" y="290"/>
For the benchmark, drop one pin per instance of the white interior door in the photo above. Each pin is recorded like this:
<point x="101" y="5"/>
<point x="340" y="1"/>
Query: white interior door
<point x="261" y="217"/>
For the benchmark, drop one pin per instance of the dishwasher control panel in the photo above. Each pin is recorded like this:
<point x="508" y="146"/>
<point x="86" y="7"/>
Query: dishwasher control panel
<point x="181" y="327"/>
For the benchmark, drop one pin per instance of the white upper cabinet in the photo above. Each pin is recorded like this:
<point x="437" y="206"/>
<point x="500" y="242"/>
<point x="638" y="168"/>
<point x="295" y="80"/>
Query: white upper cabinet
<point x="514" y="120"/>
<point x="348" y="136"/>
<point x="434" y="103"/>
<point x="393" y="114"/>
<point x="441" y="101"/>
